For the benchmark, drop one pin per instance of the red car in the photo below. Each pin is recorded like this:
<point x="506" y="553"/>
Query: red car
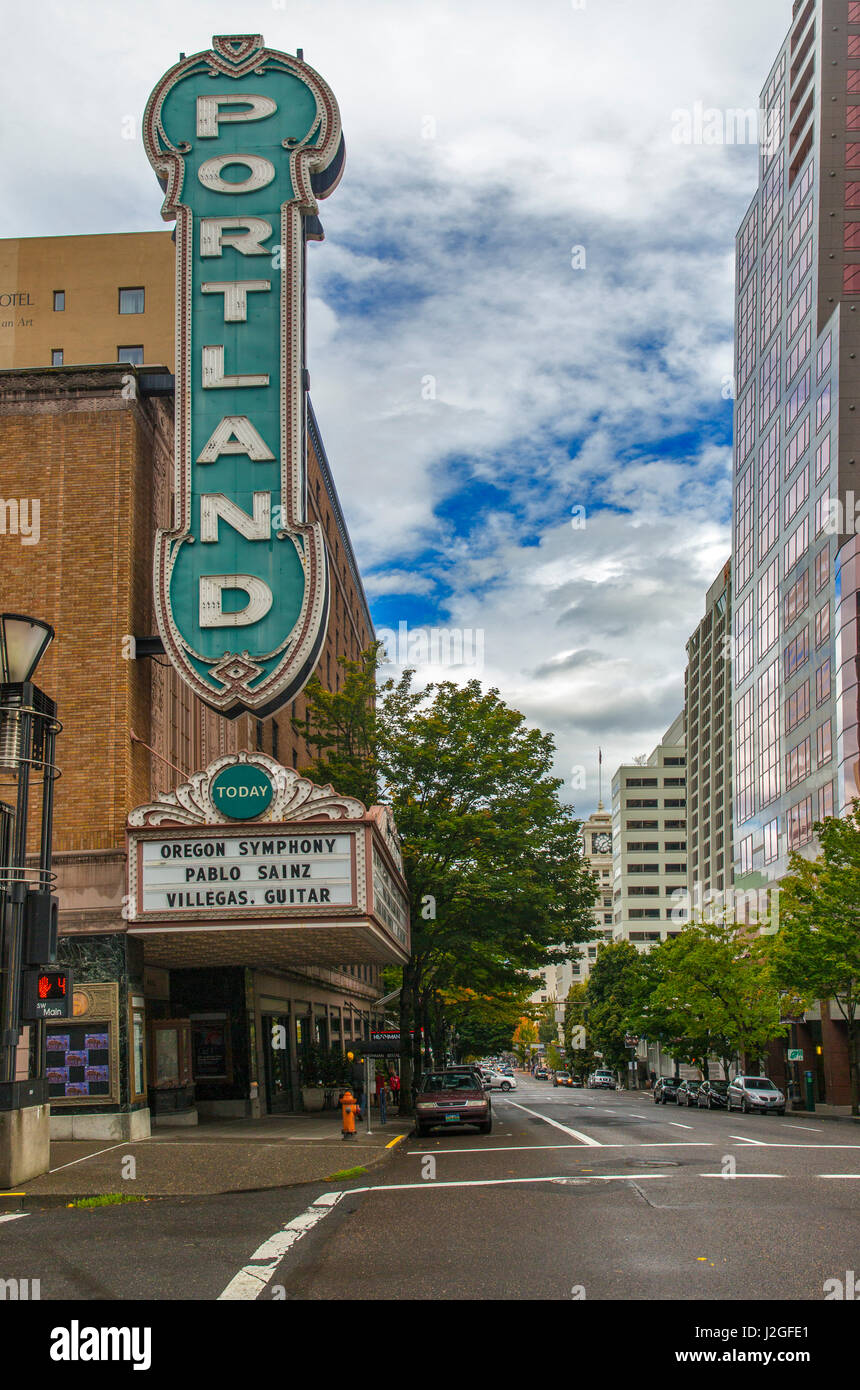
<point x="452" y="1097"/>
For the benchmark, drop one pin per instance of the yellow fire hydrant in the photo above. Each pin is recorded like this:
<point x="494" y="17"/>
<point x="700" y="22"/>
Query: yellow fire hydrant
<point x="349" y="1110"/>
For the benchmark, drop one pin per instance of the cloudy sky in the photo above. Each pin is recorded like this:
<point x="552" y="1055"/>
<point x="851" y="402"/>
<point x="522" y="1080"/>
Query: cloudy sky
<point x="521" y="317"/>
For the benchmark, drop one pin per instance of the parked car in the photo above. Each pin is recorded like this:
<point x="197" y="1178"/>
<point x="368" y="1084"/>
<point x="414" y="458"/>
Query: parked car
<point x="666" y="1089"/>
<point x="602" y="1081"/>
<point x="748" y="1093"/>
<point x="712" y="1095"/>
<point x="452" y="1097"/>
<point x="688" y="1092"/>
<point x="562" y="1078"/>
<point x="496" y="1080"/>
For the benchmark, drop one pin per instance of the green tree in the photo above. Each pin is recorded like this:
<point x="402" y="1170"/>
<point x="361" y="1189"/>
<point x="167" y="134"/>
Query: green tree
<point x="816" y="950"/>
<point x="546" y="1024"/>
<point x="708" y="991"/>
<point x="581" y="1060"/>
<point x="612" y="995"/>
<point x="341" y="727"/>
<point x="553" y="1057"/>
<point x="525" y="1037"/>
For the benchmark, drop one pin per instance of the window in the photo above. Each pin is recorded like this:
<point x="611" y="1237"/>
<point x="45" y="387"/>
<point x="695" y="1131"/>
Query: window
<point x="798" y="354"/>
<point x="768" y="608"/>
<point x="642" y="782"/>
<point x="822" y="405"/>
<point x="746" y="345"/>
<point x="134" y="355"/>
<point x="822" y="624"/>
<point x="824" y="354"/>
<point x="800" y="268"/>
<point x="825" y="801"/>
<point x="131" y="301"/>
<point x="796" y="652"/>
<point x="798" y="398"/>
<point x="797" y="598"/>
<point x="59" y="301"/>
<point x="797" y="707"/>
<point x="852" y="229"/>
<point x="798" y="312"/>
<point x="745" y="855"/>
<point x="747" y="243"/>
<point x="768" y="393"/>
<point x="797" y="494"/>
<point x="801" y="227"/>
<point x="852" y="152"/>
<point x="822" y="682"/>
<point x="824" y="742"/>
<point x="768" y="488"/>
<point x="772" y="195"/>
<point x="771" y="287"/>
<point x="744" y="638"/>
<point x="799" y="823"/>
<point x="744" y="530"/>
<point x="745" y="426"/>
<point x="56" y="357"/>
<point x="852" y="195"/>
<point x="768" y="734"/>
<point x="798" y="763"/>
<point x="797" y="445"/>
<point x="822" y="568"/>
<point x="822" y="459"/>
<point x="771" y="841"/>
<point x="796" y="545"/>
<point x="745" y="756"/>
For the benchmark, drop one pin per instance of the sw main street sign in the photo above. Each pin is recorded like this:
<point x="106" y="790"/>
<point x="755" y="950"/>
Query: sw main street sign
<point x="244" y="140"/>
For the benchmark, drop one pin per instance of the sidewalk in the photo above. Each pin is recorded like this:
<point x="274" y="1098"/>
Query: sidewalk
<point x="214" y="1156"/>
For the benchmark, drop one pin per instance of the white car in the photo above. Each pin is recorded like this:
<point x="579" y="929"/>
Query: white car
<point x="496" y="1080"/>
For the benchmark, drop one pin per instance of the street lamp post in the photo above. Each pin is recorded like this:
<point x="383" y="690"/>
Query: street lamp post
<point x="28" y="729"/>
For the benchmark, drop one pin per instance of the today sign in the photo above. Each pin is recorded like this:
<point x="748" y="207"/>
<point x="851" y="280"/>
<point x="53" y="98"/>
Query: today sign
<point x="244" y="140"/>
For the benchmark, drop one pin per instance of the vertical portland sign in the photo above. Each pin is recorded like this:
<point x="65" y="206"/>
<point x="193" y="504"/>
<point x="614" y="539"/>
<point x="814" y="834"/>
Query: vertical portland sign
<point x="244" y="140"/>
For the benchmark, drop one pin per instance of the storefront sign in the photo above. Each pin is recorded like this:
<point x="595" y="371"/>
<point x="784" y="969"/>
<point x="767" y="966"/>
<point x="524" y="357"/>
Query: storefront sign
<point x="242" y="791"/>
<point x="244" y="139"/>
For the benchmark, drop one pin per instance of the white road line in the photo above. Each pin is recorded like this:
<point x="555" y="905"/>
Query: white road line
<point x="836" y="1176"/>
<point x="14" y="1216"/>
<point x="733" y="1177"/>
<point x="574" y="1133"/>
<point x="813" y="1129"/>
<point x="744" y="1140"/>
<point x="634" y="1116"/>
<point x="255" y="1275"/>
<point x="798" y="1145"/>
<point x="676" y="1124"/>
<point x="506" y="1182"/>
<point x="553" y="1148"/>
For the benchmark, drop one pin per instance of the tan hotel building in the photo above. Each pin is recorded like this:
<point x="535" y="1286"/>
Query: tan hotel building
<point x="86" y="450"/>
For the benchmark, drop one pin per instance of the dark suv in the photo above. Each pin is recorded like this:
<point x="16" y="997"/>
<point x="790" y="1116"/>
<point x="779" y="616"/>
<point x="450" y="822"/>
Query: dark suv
<point x="666" y="1089"/>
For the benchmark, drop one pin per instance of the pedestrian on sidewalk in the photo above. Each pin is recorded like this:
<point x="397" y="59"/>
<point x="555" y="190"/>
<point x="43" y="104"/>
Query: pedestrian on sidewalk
<point x="395" y="1089"/>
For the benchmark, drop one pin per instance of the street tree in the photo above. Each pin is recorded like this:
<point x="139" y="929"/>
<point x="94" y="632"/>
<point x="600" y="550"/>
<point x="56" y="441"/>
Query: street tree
<point x="612" y="993"/>
<point x="816" y="949"/>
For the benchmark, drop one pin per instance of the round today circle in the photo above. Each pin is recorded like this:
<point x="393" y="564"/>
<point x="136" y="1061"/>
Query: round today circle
<point x="241" y="791"/>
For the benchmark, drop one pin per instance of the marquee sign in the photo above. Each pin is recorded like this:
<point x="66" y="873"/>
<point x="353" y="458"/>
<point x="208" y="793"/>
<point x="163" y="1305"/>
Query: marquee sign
<point x="244" y="140"/>
<point x="302" y="857"/>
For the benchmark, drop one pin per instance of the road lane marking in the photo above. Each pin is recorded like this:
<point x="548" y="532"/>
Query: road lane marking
<point x="836" y="1176"/>
<point x="553" y="1148"/>
<point x="733" y="1177"/>
<point x="395" y="1141"/>
<point x="759" y="1143"/>
<point x="504" y="1182"/>
<point x="676" y="1124"/>
<point x="556" y="1124"/>
<point x="796" y="1145"/>
<point x="255" y="1275"/>
<point x="634" y="1116"/>
<point x="14" y="1216"/>
<point x="813" y="1129"/>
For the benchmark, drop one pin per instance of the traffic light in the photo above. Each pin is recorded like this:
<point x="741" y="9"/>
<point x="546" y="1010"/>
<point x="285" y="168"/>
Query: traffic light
<point x="40" y="928"/>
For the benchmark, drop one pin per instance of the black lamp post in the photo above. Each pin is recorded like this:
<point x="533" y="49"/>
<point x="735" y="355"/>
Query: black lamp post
<point x="28" y="729"/>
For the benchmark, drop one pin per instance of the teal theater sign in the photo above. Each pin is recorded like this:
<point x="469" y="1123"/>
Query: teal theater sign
<point x="241" y="791"/>
<point x="244" y="140"/>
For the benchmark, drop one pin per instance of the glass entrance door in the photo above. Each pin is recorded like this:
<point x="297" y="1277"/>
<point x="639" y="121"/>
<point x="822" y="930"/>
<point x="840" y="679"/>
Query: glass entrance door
<point x="276" y="1049"/>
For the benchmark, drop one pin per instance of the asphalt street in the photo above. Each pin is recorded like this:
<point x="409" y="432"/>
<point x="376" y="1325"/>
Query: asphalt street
<point x="575" y="1195"/>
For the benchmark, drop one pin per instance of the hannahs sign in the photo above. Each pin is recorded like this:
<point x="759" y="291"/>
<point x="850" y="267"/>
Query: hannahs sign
<point x="244" y="140"/>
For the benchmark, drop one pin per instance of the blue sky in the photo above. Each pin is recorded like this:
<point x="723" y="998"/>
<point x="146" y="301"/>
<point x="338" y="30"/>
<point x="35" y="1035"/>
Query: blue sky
<point x="472" y="386"/>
